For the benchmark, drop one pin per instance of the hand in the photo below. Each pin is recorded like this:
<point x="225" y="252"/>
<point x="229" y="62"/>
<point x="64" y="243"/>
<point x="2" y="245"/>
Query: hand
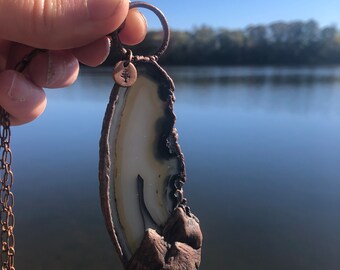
<point x="72" y="31"/>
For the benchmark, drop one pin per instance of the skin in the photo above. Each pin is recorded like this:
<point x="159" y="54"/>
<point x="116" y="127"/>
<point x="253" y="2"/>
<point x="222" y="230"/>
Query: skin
<point x="73" y="31"/>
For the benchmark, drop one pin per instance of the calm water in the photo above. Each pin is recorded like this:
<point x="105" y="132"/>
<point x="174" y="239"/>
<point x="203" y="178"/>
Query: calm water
<point x="262" y="149"/>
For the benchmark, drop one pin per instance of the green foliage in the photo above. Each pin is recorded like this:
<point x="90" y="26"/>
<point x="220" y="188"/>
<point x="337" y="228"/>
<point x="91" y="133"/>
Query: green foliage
<point x="279" y="43"/>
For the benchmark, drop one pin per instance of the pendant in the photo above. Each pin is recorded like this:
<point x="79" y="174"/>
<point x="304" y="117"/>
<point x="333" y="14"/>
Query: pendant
<point x="142" y="170"/>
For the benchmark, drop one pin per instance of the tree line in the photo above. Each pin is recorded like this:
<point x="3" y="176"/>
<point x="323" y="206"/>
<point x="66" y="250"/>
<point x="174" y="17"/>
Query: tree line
<point x="278" y="43"/>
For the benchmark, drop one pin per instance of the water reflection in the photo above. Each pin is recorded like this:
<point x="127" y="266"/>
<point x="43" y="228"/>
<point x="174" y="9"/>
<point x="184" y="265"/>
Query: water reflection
<point x="262" y="152"/>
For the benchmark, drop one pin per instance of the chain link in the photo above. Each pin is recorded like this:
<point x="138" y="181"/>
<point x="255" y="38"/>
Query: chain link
<point x="6" y="196"/>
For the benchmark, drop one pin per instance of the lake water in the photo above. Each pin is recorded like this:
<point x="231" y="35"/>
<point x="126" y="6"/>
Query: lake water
<point x="262" y="149"/>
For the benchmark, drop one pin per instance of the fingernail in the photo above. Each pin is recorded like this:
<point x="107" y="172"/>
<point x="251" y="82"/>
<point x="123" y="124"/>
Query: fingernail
<point x="18" y="88"/>
<point x="144" y="19"/>
<point x="54" y="70"/>
<point x="59" y="69"/>
<point x="107" y="49"/>
<point x="142" y="16"/>
<point x="101" y="9"/>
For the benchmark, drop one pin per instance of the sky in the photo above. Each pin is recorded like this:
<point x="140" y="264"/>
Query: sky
<point x="236" y="14"/>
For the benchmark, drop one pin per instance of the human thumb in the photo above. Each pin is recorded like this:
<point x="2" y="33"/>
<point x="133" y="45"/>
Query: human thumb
<point x="60" y="24"/>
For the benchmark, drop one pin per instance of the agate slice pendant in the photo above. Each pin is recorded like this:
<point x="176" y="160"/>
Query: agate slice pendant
<point x="141" y="168"/>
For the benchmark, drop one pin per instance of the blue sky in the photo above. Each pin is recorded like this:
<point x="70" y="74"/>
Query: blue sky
<point x="186" y="14"/>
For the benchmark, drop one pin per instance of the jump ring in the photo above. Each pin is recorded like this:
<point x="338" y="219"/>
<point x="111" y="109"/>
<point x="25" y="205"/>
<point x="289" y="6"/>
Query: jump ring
<point x="161" y="17"/>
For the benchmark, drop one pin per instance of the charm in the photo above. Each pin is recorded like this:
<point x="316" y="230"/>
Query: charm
<point x="125" y="73"/>
<point x="141" y="168"/>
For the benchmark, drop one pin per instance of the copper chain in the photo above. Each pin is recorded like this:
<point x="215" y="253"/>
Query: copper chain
<point x="6" y="181"/>
<point x="6" y="196"/>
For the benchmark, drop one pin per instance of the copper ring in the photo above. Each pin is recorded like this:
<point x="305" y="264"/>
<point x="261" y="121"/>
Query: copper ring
<point x="161" y="17"/>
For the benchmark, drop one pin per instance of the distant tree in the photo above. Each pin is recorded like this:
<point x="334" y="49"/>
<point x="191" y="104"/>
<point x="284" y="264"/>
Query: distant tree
<point x="256" y="44"/>
<point x="256" y="35"/>
<point x="180" y="49"/>
<point x="329" y="45"/>
<point x="328" y="34"/>
<point x="231" y="47"/>
<point x="206" y="44"/>
<point x="278" y="32"/>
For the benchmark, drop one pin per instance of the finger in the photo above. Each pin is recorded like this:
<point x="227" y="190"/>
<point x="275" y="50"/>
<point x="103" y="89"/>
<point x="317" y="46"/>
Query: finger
<point x="60" y="24"/>
<point x="135" y="28"/>
<point x="23" y="100"/>
<point x="94" y="53"/>
<point x="54" y="69"/>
